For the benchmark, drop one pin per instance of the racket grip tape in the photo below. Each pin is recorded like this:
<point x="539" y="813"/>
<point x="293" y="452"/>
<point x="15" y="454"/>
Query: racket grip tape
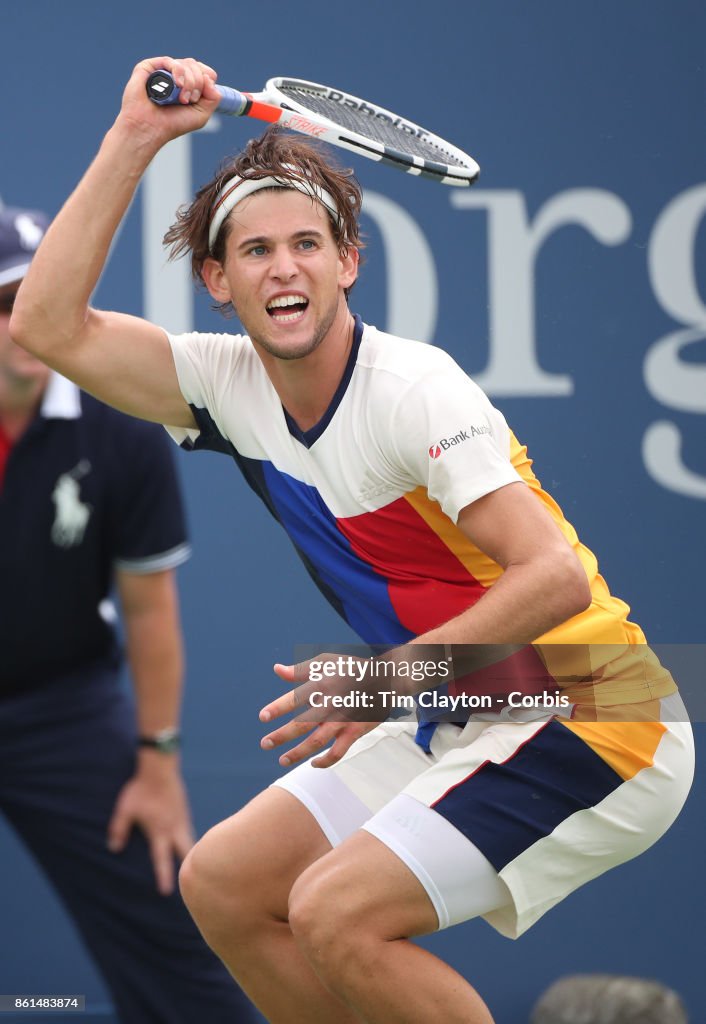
<point x="163" y="90"/>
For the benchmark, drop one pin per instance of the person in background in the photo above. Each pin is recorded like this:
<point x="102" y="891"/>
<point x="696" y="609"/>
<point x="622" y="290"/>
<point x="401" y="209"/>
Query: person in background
<point x="608" y="999"/>
<point x="90" y="780"/>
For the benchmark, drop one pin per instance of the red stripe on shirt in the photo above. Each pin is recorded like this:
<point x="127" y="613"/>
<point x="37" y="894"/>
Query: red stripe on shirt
<point x="5" y="448"/>
<point x="426" y="581"/>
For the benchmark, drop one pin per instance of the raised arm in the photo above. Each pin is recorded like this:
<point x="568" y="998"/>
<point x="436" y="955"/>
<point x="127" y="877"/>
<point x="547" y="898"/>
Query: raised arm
<point x="124" y="360"/>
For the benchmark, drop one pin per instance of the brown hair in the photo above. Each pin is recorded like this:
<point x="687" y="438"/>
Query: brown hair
<point x="275" y="153"/>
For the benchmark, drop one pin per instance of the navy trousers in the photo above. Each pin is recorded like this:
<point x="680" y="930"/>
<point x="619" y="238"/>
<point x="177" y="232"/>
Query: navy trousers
<point x="66" y="749"/>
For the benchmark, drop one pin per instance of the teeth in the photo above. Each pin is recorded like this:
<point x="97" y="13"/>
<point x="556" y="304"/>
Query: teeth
<point x="286" y="300"/>
<point x="283" y="317"/>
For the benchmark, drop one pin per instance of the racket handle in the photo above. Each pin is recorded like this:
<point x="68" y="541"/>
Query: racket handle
<point x="163" y="90"/>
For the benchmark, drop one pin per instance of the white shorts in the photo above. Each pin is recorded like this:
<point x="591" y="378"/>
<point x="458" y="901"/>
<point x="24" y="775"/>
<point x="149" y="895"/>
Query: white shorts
<point x="525" y="812"/>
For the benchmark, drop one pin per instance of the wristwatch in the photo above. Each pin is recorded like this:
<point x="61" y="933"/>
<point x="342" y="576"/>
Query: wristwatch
<point x="166" y="741"/>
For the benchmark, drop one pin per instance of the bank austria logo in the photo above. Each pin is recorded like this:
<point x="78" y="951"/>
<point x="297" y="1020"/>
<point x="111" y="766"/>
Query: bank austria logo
<point x="437" y="450"/>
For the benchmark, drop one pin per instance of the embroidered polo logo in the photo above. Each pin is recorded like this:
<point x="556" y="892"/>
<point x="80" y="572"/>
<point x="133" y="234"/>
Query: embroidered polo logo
<point x="30" y="234"/>
<point x="72" y="514"/>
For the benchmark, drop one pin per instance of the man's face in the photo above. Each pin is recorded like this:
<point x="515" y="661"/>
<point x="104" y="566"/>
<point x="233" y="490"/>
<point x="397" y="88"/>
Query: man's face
<point x="283" y="271"/>
<point x="17" y="367"/>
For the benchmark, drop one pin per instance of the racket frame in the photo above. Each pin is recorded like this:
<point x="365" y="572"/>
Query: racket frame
<point x="275" y="107"/>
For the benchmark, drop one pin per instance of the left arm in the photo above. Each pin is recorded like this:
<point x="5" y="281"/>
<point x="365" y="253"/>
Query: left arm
<point x="154" y="798"/>
<point x="543" y="584"/>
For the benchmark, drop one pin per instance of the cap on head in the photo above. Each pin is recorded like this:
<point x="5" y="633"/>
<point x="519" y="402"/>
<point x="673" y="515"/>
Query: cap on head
<point x="21" y="231"/>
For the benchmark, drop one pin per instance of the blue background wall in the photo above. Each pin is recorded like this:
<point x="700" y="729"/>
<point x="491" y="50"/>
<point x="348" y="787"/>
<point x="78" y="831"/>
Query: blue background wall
<point x="588" y="116"/>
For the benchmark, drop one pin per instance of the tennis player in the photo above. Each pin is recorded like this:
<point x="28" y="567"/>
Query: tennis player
<point x="416" y="512"/>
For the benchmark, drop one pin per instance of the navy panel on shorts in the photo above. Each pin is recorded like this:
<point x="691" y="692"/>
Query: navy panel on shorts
<point x="505" y="808"/>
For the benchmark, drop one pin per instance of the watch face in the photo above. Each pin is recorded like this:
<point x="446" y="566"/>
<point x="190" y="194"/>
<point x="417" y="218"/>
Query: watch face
<point x="166" y="741"/>
<point x="167" y="744"/>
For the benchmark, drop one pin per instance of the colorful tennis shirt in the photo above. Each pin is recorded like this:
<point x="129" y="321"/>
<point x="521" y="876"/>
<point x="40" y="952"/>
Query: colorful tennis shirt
<point x="370" y="496"/>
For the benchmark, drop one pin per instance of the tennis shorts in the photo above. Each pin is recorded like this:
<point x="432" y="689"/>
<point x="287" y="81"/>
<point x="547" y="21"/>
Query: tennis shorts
<point x="525" y="811"/>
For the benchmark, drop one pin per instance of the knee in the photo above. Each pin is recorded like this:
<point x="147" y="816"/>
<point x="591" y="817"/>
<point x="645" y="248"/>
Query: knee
<point x="327" y="924"/>
<point x="199" y="877"/>
<point x="214" y="885"/>
<point x="308" y="920"/>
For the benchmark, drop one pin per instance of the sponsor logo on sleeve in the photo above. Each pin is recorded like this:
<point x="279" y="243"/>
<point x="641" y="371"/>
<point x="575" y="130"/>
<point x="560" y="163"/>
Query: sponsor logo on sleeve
<point x="443" y="445"/>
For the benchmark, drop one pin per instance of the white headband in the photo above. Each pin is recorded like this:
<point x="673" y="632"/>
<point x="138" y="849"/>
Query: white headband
<point x="236" y="189"/>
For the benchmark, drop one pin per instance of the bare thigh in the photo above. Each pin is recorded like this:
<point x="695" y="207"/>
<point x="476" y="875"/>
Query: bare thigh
<point x="258" y="853"/>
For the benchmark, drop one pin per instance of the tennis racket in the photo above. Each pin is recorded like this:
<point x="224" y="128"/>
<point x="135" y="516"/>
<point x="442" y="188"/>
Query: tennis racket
<point x="341" y="119"/>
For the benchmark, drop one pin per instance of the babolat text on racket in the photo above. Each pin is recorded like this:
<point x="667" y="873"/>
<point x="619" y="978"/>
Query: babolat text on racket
<point x="342" y="120"/>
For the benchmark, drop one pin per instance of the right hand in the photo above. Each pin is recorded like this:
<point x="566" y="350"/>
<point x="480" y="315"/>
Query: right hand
<point x="197" y="102"/>
<point x="320" y="726"/>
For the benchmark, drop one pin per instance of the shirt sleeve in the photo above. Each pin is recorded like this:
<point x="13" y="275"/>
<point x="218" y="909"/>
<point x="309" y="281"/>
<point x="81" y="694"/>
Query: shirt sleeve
<point x="205" y="364"/>
<point x="145" y="507"/>
<point x="452" y="440"/>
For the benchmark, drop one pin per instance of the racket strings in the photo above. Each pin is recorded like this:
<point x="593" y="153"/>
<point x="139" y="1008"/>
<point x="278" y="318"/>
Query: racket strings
<point x="372" y="125"/>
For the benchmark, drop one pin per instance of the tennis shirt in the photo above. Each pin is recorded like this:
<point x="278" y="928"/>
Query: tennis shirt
<point x="370" y="496"/>
<point x="86" y="490"/>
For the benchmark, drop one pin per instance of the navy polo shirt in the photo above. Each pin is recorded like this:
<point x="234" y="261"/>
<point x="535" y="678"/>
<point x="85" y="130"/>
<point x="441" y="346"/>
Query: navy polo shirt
<point x="86" y="490"/>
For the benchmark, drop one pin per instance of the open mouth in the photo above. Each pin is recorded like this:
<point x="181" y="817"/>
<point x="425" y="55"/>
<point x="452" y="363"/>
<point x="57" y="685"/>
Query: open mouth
<point x="286" y="308"/>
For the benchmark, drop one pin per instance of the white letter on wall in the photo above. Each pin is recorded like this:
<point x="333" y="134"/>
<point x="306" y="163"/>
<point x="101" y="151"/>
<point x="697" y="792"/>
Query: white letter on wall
<point x="677" y="384"/>
<point x="167" y="287"/>
<point x="411" y="273"/>
<point x="513" y="246"/>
